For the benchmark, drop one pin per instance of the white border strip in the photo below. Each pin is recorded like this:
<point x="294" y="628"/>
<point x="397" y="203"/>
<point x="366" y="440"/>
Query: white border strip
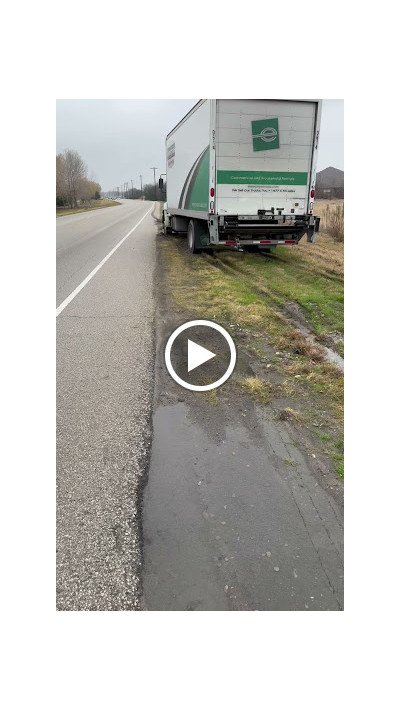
<point x="79" y="288"/>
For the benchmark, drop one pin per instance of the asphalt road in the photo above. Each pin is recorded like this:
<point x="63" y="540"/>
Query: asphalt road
<point x="104" y="398"/>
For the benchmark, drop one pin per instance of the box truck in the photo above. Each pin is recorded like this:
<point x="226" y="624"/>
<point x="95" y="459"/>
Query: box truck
<point x="242" y="172"/>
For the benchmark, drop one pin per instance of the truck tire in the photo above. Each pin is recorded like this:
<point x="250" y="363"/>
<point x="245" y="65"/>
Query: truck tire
<point x="195" y="230"/>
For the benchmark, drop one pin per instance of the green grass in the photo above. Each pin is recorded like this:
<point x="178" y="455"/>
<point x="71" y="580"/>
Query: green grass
<point x="95" y="205"/>
<point x="340" y="470"/>
<point x="286" y="276"/>
<point x="243" y="290"/>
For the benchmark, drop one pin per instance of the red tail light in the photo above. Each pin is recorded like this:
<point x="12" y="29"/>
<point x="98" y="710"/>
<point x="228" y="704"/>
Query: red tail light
<point x="212" y="192"/>
<point x="312" y="193"/>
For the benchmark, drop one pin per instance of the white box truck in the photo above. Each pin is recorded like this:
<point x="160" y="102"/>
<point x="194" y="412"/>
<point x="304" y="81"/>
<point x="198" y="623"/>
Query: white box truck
<point x="242" y="172"/>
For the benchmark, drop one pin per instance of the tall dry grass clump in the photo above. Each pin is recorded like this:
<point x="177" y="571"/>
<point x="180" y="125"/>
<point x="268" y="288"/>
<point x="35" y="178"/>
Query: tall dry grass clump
<point x="333" y="221"/>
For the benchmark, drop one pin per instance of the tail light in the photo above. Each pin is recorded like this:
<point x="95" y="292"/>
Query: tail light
<point x="312" y="193"/>
<point x="212" y="192"/>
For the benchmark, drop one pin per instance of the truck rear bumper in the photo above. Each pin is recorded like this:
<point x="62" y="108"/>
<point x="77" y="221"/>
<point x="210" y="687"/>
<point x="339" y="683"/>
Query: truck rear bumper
<point x="280" y="229"/>
<point x="267" y="242"/>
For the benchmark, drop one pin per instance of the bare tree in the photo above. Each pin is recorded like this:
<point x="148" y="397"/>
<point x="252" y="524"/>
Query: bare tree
<point x="88" y="190"/>
<point x="75" y="173"/>
<point x="61" y="183"/>
<point x="71" y="180"/>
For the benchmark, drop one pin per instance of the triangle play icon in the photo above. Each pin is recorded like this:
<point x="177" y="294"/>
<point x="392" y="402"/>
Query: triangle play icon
<point x="197" y="355"/>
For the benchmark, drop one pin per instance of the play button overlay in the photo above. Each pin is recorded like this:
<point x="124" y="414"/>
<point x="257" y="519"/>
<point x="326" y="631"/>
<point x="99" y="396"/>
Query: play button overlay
<point x="200" y="355"/>
<point x="197" y="355"/>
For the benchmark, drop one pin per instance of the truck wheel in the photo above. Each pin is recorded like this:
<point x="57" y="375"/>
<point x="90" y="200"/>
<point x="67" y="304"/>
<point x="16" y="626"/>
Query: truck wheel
<point x="193" y="237"/>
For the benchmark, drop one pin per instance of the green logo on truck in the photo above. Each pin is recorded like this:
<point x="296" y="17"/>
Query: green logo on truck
<point x="265" y="134"/>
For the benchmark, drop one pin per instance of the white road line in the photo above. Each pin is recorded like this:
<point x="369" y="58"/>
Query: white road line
<point x="79" y="288"/>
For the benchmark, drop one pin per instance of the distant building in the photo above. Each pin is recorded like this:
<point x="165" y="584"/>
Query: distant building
<point x="329" y="183"/>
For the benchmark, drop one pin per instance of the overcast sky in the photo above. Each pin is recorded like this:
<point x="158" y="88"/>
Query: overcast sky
<point x="119" y="139"/>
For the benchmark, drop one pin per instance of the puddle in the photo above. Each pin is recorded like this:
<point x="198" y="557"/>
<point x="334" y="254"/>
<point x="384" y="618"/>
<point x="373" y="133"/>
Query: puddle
<point x="294" y="313"/>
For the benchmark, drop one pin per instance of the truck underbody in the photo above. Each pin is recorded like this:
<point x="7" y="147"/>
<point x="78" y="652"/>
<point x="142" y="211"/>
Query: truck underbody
<point x="262" y="232"/>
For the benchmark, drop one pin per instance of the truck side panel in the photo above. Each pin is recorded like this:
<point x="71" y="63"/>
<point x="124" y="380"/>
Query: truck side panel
<point x="188" y="155"/>
<point x="264" y="151"/>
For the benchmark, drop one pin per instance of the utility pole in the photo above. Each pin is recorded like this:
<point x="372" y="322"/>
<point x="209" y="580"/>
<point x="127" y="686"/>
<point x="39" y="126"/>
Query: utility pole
<point x="155" y="188"/>
<point x="132" y="187"/>
<point x="141" y="186"/>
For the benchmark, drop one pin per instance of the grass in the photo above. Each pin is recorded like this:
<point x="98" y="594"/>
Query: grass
<point x="311" y="276"/>
<point x="251" y="294"/>
<point x="332" y="218"/>
<point x="260" y="389"/>
<point x="95" y="205"/>
<point x="340" y="469"/>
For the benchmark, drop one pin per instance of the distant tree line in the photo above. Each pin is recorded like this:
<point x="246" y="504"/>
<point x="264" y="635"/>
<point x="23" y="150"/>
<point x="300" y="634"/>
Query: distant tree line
<point x="149" y="191"/>
<point x="72" y="184"/>
<point x="154" y="193"/>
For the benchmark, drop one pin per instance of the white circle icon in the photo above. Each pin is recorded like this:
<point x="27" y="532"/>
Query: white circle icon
<point x="197" y="355"/>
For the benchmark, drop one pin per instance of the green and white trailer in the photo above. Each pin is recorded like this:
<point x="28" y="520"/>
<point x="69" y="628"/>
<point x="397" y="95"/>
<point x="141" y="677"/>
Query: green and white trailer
<point x="242" y="172"/>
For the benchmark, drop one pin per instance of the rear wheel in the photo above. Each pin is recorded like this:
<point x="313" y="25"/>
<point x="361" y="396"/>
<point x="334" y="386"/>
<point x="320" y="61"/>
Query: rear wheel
<point x="196" y="237"/>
